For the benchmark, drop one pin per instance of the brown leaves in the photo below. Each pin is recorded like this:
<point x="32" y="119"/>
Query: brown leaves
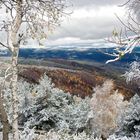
<point x="78" y="83"/>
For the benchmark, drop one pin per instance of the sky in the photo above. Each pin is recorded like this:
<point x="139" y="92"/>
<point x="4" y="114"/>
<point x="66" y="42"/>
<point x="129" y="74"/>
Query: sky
<point x="90" y="20"/>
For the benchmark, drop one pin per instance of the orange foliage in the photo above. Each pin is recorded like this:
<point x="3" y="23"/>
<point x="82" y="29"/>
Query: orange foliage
<point x="78" y="83"/>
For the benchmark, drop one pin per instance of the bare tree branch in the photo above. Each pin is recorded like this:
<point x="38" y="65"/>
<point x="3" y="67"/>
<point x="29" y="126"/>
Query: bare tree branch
<point x="5" y="46"/>
<point x="131" y="36"/>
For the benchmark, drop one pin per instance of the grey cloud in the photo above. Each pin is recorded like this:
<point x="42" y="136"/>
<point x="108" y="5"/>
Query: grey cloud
<point x="90" y="27"/>
<point x="85" y="3"/>
<point x="85" y="28"/>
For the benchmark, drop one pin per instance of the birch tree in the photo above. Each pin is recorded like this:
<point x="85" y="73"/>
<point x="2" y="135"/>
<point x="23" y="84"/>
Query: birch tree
<point x="24" y="19"/>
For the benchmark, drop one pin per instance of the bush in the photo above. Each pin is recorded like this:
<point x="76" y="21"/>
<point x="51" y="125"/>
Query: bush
<point x="45" y="107"/>
<point x="130" y="120"/>
<point x="107" y="105"/>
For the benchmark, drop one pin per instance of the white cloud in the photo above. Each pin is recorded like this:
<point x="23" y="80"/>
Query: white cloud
<point x="77" y="44"/>
<point x="103" y="12"/>
<point x="89" y="23"/>
<point x="96" y="3"/>
<point x="91" y="19"/>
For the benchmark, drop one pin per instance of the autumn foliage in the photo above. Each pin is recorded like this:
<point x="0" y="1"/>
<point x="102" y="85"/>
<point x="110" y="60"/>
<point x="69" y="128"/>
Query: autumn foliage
<point x="77" y="82"/>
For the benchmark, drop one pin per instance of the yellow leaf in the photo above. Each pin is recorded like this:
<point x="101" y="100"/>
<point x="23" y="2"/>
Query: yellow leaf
<point x="114" y="33"/>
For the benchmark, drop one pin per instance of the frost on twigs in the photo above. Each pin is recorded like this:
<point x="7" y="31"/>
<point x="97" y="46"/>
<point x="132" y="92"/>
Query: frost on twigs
<point x="130" y="120"/>
<point x="134" y="72"/>
<point x="35" y="22"/>
<point x="59" y="110"/>
<point x="128" y="37"/>
<point x="44" y="107"/>
<point x="107" y="105"/>
<point x="114" y="137"/>
<point x="61" y="135"/>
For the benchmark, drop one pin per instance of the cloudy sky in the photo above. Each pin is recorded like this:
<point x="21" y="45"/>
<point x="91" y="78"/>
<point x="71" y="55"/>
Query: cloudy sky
<point x="91" y="19"/>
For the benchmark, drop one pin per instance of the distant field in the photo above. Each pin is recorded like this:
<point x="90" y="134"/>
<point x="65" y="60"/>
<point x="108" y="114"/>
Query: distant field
<point x="76" y="77"/>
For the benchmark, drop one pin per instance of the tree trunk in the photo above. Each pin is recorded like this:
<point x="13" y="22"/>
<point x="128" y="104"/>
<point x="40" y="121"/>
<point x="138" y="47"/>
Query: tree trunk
<point x="14" y="79"/>
<point x="4" y="119"/>
<point x="15" y="44"/>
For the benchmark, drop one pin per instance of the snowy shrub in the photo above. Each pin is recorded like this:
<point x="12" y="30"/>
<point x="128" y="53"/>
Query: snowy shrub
<point x="28" y="134"/>
<point x="61" y="112"/>
<point x="8" y="102"/>
<point x="130" y="120"/>
<point x="25" y="97"/>
<point x="107" y="105"/>
<point x="75" y="116"/>
<point x="45" y="107"/>
<point x="114" y="137"/>
<point x="57" y="110"/>
<point x="134" y="73"/>
<point x="63" y="135"/>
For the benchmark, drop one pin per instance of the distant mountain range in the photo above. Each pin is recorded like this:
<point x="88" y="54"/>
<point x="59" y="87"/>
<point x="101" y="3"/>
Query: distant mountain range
<point x="100" y="55"/>
<point x="90" y="62"/>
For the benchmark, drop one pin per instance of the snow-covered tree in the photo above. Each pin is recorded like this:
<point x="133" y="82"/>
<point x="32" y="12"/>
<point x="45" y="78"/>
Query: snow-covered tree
<point x="59" y="115"/>
<point x="130" y="121"/>
<point x="51" y="108"/>
<point x="114" y="137"/>
<point x="21" y="20"/>
<point x="44" y="107"/>
<point x="107" y="105"/>
<point x="66" y="136"/>
<point x="133" y="75"/>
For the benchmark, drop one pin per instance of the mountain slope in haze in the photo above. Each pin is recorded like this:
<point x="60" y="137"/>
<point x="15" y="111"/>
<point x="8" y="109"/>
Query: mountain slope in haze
<point x="100" y="55"/>
<point x="78" y="79"/>
<point x="78" y="69"/>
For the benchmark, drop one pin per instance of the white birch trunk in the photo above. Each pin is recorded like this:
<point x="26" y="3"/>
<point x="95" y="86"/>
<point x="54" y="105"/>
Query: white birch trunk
<point x="14" y="94"/>
<point x="15" y="44"/>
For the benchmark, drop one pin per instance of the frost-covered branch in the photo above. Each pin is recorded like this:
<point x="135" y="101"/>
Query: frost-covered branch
<point x="107" y="105"/>
<point x="134" y="72"/>
<point x="128" y="39"/>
